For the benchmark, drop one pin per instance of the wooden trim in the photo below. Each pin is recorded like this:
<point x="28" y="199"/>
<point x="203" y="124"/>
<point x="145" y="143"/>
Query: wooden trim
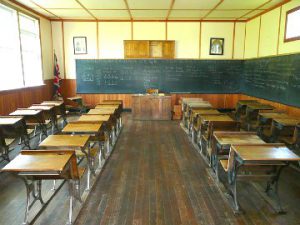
<point x="131" y="30"/>
<point x="52" y="46"/>
<point x="233" y="40"/>
<point x="97" y="38"/>
<point x="210" y="11"/>
<point x="259" y="30"/>
<point x="63" y="46"/>
<point x="200" y="39"/>
<point x="128" y="9"/>
<point x="245" y="40"/>
<point x="82" y="6"/>
<point x="279" y="30"/>
<point x="166" y="30"/>
<point x="24" y="7"/>
<point x="286" y="22"/>
<point x="257" y="8"/>
<point x="170" y="9"/>
<point x="20" y="42"/>
<point x="268" y="10"/>
<point x="179" y="21"/>
<point x="41" y="49"/>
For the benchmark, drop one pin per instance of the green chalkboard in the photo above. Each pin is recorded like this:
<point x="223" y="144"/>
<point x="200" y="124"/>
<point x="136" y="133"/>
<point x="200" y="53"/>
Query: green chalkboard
<point x="273" y="78"/>
<point x="170" y="76"/>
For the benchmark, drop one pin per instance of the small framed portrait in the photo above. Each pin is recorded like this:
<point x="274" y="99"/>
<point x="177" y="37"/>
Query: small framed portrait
<point x="79" y="45"/>
<point x="216" y="46"/>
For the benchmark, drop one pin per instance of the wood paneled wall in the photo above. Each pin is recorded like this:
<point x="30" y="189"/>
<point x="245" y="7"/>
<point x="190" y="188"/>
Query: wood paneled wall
<point x="13" y="99"/>
<point x="217" y="100"/>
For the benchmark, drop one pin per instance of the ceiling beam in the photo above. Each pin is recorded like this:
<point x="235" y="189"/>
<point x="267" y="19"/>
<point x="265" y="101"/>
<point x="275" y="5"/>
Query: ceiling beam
<point x="170" y="9"/>
<point x="39" y="6"/>
<point x="210" y="11"/>
<point x="257" y="8"/>
<point x="88" y="11"/>
<point x="268" y="10"/>
<point x="128" y="9"/>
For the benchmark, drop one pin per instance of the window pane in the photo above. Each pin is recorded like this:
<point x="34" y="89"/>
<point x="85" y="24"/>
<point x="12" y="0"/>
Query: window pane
<point x="293" y="25"/>
<point x="31" y="50"/>
<point x="10" y="58"/>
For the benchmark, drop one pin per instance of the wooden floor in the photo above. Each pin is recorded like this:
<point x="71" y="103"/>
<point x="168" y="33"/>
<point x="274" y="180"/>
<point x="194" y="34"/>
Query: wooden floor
<point x="155" y="176"/>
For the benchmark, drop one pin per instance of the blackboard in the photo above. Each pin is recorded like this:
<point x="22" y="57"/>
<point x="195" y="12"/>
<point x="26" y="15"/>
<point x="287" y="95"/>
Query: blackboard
<point x="273" y="78"/>
<point x="170" y="76"/>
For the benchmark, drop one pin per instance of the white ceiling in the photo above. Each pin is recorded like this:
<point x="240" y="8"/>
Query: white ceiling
<point x="151" y="9"/>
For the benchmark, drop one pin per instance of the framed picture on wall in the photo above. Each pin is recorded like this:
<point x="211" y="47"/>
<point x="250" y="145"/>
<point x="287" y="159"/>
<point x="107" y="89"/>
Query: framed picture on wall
<point x="79" y="45"/>
<point x="216" y="46"/>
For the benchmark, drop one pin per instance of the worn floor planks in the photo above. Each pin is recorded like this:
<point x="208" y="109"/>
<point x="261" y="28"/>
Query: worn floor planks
<point x="155" y="177"/>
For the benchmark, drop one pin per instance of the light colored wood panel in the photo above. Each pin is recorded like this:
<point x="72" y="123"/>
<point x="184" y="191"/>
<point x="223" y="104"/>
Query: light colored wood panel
<point x="136" y="49"/>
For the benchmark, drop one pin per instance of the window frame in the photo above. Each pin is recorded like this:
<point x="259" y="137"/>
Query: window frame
<point x="18" y="11"/>
<point x="286" y="23"/>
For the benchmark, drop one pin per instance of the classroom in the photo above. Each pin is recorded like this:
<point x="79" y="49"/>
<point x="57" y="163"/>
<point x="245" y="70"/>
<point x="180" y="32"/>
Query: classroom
<point x="161" y="112"/>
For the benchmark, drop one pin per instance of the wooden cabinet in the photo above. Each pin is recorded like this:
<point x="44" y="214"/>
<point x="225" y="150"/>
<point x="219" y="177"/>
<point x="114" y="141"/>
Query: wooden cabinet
<point x="149" y="49"/>
<point x="151" y="107"/>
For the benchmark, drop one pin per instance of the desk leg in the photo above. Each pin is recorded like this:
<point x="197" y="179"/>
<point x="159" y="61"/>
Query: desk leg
<point x="232" y="180"/>
<point x="36" y="191"/>
<point x="71" y="194"/>
<point x="272" y="185"/>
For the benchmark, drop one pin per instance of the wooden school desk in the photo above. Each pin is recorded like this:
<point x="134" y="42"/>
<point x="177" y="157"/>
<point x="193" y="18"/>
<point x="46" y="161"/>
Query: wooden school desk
<point x="240" y="108"/>
<point x="95" y="130"/>
<point x="13" y="127"/>
<point x="33" y="116"/>
<point x="196" y="114"/>
<point x="264" y="161"/>
<point x="50" y="114"/>
<point x="36" y="166"/>
<point x="222" y="141"/>
<point x="72" y="142"/>
<point x="108" y="111"/>
<point x="191" y="106"/>
<point x="184" y="102"/>
<point x="283" y="126"/>
<point x="265" y="119"/>
<point x="114" y="102"/>
<point x="60" y="108"/>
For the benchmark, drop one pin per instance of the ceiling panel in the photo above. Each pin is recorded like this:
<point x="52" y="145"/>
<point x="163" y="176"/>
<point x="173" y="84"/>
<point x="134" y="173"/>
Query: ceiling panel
<point x="58" y="4"/>
<point x="149" y="14"/>
<point x="188" y="14"/>
<point x="271" y="4"/>
<point x="219" y="18"/>
<point x="241" y="4"/>
<point x="28" y="3"/>
<point x="111" y="14"/>
<point x="228" y="13"/>
<point x="149" y="4"/>
<point x="71" y="13"/>
<point x="42" y="11"/>
<point x="255" y="12"/>
<point x="104" y="4"/>
<point x="195" y="4"/>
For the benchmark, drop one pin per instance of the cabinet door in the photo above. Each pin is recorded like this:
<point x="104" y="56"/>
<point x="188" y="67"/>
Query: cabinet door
<point x="169" y="49"/>
<point x="136" y="49"/>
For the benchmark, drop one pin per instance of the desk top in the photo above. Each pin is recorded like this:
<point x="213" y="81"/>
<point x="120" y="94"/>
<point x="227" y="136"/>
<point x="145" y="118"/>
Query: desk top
<point x="83" y="127"/>
<point x="74" y="98"/>
<point x="234" y="138"/>
<point x="267" y="152"/>
<point x="186" y="100"/>
<point x="272" y="115"/>
<point x="205" y="111"/>
<point x="42" y="107"/>
<point x="94" y="118"/>
<point x="102" y="111"/>
<point x="56" y="103"/>
<point x="39" y="161"/>
<point x="110" y="103"/>
<point x="198" y="104"/>
<point x="65" y="141"/>
<point x="287" y="121"/>
<point x="110" y="106"/>
<point x="215" y="117"/>
<point x="258" y="106"/>
<point x="25" y="112"/>
<point x="9" y="120"/>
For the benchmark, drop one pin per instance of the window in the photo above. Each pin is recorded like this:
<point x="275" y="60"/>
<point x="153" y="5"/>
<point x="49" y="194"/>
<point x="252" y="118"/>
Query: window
<point x="20" y="51"/>
<point x="292" y="26"/>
